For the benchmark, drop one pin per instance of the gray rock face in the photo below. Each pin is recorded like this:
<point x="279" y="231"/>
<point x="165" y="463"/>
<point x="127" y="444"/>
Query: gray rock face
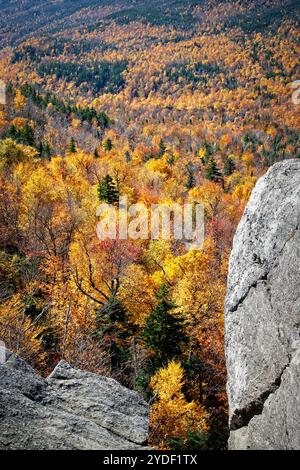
<point x="262" y="319"/>
<point x="69" y="410"/>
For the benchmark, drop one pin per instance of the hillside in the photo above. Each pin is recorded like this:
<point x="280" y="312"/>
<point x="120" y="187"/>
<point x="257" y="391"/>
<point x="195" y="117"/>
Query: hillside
<point x="162" y="102"/>
<point x="32" y="18"/>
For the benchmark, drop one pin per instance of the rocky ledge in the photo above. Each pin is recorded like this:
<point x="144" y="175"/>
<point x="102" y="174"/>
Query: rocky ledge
<point x="69" y="410"/>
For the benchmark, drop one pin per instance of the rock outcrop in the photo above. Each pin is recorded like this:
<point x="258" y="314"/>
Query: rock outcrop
<point x="262" y="320"/>
<point x="69" y="410"/>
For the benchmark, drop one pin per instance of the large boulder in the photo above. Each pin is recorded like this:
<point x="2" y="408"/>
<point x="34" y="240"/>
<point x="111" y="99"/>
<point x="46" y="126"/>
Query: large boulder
<point x="69" y="410"/>
<point x="262" y="319"/>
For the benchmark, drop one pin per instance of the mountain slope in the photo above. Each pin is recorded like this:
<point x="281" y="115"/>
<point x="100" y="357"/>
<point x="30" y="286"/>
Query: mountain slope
<point x="27" y="18"/>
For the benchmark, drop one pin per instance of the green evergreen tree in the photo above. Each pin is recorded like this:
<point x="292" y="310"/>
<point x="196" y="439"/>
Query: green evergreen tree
<point x="208" y="149"/>
<point x="96" y="153"/>
<point x="114" y="328"/>
<point x="107" y="145"/>
<point x="12" y="132"/>
<point x="47" y="150"/>
<point x="164" y="332"/>
<point x="190" y="182"/>
<point x="212" y="172"/>
<point x="72" y="147"/>
<point x="107" y="190"/>
<point x="102" y="120"/>
<point x="162" y="148"/>
<point x="40" y="149"/>
<point x="229" y="167"/>
<point x="9" y="88"/>
<point x="26" y="135"/>
<point x="195" y="440"/>
<point x="44" y="150"/>
<point x="171" y="159"/>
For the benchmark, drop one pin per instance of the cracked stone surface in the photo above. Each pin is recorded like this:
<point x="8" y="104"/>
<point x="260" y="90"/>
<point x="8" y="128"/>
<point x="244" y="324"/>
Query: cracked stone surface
<point x="69" y="410"/>
<point x="262" y="320"/>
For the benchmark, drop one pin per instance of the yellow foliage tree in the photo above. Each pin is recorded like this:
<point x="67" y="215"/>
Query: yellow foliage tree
<point x="19" y="333"/>
<point x="172" y="416"/>
<point x="19" y="101"/>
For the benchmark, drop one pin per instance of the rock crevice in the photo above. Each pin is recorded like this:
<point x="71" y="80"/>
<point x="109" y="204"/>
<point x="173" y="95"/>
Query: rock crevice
<point x="242" y="417"/>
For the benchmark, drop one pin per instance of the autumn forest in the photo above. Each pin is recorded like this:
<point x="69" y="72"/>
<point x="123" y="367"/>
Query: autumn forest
<point x="162" y="102"/>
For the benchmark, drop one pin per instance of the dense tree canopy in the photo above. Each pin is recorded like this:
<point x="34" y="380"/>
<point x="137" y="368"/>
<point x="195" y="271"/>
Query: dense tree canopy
<point x="185" y="102"/>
